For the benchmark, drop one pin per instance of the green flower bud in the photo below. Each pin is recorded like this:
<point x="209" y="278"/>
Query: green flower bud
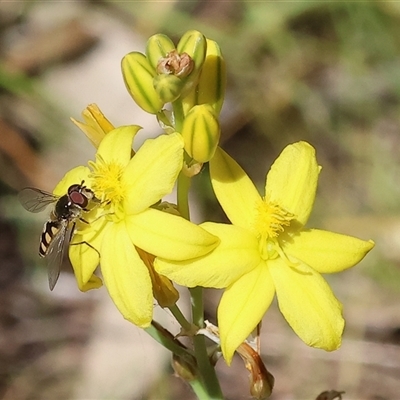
<point x="168" y="87"/>
<point x="212" y="81"/>
<point x="138" y="76"/>
<point x="211" y="85"/>
<point x="158" y="47"/>
<point x="201" y="132"/>
<point x="194" y="44"/>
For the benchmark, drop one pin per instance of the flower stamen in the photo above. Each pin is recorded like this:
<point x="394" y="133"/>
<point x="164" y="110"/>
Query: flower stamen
<point x="106" y="180"/>
<point x="271" y="219"/>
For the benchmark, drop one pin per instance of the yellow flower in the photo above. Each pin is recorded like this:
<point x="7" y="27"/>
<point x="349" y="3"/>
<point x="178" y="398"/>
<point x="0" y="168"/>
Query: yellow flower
<point x="267" y="250"/>
<point x="128" y="187"/>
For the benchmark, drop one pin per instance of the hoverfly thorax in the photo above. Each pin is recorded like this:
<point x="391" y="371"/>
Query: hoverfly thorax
<point x="65" y="209"/>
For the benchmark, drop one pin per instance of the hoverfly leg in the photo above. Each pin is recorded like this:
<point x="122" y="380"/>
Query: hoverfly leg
<point x="88" y="244"/>
<point x="97" y="218"/>
<point x="72" y="231"/>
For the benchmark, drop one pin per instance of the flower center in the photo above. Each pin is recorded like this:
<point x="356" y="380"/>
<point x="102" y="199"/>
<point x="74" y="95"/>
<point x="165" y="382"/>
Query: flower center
<point x="106" y="180"/>
<point x="271" y="221"/>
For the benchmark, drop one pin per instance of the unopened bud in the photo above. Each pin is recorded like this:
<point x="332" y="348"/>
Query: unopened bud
<point x="138" y="76"/>
<point x="194" y="44"/>
<point x="212" y="81"/>
<point x="201" y="132"/>
<point x="167" y="87"/>
<point x="211" y="84"/>
<point x="158" y="47"/>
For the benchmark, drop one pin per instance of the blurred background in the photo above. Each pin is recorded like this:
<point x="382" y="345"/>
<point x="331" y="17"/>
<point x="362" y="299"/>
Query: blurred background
<point x="324" y="72"/>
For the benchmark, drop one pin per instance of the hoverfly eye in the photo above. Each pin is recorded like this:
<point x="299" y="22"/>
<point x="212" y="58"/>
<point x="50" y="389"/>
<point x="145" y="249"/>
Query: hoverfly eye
<point x="77" y="198"/>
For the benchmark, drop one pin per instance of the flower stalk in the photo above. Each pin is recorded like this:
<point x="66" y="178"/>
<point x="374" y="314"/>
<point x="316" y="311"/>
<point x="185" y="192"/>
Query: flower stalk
<point x="208" y="377"/>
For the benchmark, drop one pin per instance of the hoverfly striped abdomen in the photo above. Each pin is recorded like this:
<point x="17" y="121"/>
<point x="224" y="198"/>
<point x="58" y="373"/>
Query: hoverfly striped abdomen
<point x="50" y="230"/>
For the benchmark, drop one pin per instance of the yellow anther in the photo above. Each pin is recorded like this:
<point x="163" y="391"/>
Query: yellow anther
<point x="271" y="219"/>
<point x="106" y="180"/>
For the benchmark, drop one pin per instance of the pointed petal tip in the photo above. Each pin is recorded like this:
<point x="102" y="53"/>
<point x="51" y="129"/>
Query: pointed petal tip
<point x="142" y="323"/>
<point x="227" y="354"/>
<point x="331" y="343"/>
<point x="328" y="252"/>
<point x="292" y="180"/>
<point x="242" y="307"/>
<point x="94" y="283"/>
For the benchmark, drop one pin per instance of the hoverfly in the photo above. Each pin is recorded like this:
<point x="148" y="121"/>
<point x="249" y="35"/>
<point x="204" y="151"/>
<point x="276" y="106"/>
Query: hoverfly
<point x="59" y="229"/>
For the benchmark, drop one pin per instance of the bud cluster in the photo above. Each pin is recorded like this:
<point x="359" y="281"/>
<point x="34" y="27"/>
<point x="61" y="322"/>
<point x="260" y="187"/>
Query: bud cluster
<point x="192" y="77"/>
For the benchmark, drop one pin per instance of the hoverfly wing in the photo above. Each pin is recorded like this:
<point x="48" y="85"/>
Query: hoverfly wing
<point x="35" y="200"/>
<point x="55" y="252"/>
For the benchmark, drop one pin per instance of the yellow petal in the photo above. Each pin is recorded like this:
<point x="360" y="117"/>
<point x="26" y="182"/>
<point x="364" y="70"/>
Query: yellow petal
<point x="242" y="307"/>
<point x="152" y="172"/>
<point x="236" y="255"/>
<point x="96" y="125"/>
<point x="72" y="177"/>
<point x="84" y="261"/>
<point x="84" y="254"/>
<point x="308" y="305"/>
<point x="328" y="252"/>
<point x="169" y="236"/>
<point x="116" y="147"/>
<point x="234" y="190"/>
<point x="126" y="276"/>
<point x="292" y="180"/>
<point x="94" y="135"/>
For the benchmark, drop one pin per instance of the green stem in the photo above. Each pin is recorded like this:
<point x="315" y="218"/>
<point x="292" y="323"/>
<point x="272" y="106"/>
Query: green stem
<point x="179" y="115"/>
<point x="199" y="390"/>
<point x="211" y="388"/>
<point x="177" y="313"/>
<point x="207" y="371"/>
<point x="197" y="306"/>
<point x="183" y="195"/>
<point x="165" y="338"/>
<point x="163" y="118"/>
